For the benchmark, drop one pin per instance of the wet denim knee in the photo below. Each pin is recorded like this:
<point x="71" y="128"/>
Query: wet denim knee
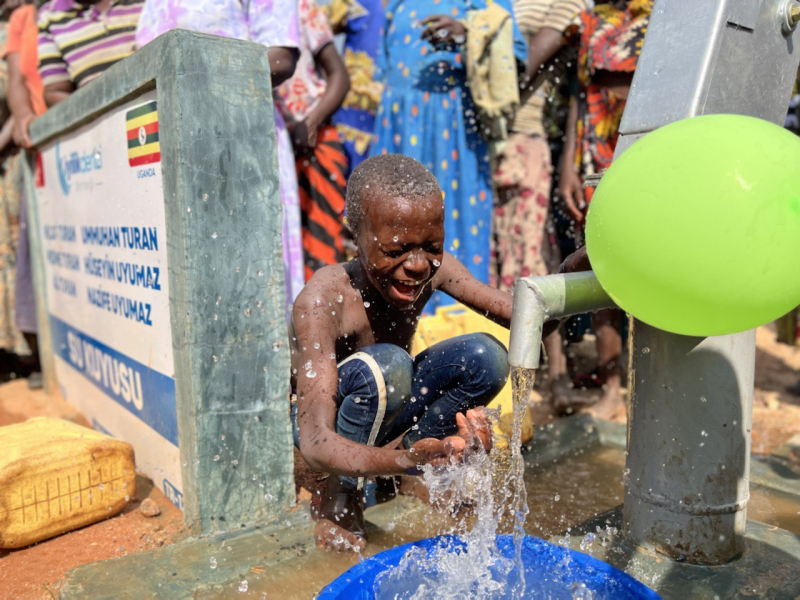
<point x="374" y="384"/>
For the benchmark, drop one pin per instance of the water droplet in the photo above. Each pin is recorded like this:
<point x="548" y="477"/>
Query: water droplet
<point x="587" y="542"/>
<point x="423" y="390"/>
<point x="234" y="462"/>
<point x="316" y="345"/>
<point x="645" y="350"/>
<point x="704" y="433"/>
<point x="213" y="562"/>
<point x="391" y="389"/>
<point x="269" y="497"/>
<point x="248" y="312"/>
<point x="340" y="298"/>
<point x="436" y="263"/>
<point x="276" y="345"/>
<point x="189" y="209"/>
<point x="243" y="585"/>
<point x="703" y="399"/>
<point x="366" y="304"/>
<point x="311" y="374"/>
<point x="217" y="457"/>
<point x="214" y="235"/>
<point x="395" y="239"/>
<point x="205" y="197"/>
<point x="215" y="357"/>
<point x="557" y="497"/>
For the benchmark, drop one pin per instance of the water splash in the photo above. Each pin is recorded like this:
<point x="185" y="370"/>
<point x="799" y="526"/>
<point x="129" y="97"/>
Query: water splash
<point x="492" y="489"/>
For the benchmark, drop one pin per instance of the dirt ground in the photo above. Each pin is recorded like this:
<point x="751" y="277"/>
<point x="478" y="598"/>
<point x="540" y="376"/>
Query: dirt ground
<point x="35" y="572"/>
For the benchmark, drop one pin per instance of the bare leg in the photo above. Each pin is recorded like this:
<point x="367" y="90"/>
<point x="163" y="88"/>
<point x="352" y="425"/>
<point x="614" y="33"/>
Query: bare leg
<point x="340" y="525"/>
<point x="606" y="324"/>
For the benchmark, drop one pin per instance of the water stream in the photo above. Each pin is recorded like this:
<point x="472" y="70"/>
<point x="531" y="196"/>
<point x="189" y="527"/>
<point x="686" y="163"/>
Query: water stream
<point x="483" y="496"/>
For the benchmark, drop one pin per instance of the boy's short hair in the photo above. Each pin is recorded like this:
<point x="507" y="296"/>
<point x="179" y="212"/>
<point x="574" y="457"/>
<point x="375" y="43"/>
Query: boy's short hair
<point x="394" y="175"/>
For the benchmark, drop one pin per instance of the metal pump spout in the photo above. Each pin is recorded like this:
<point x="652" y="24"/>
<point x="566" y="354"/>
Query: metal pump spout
<point x="541" y="299"/>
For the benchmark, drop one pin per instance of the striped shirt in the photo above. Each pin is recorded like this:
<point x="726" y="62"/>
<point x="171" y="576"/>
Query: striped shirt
<point x="77" y="42"/>
<point x="533" y="15"/>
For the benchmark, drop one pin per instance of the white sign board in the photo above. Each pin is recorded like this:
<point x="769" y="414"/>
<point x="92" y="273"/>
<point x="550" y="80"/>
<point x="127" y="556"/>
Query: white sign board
<point x="103" y="231"/>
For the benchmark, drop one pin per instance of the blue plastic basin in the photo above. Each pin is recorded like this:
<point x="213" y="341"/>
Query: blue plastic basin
<point x="545" y="570"/>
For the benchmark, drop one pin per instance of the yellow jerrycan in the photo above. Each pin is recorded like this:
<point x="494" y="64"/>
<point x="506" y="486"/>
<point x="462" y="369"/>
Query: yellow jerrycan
<point x="455" y="320"/>
<point x="56" y="476"/>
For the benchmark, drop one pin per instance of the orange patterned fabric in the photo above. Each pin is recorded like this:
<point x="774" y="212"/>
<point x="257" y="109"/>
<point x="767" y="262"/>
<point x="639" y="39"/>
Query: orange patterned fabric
<point x="609" y="38"/>
<point x="321" y="179"/>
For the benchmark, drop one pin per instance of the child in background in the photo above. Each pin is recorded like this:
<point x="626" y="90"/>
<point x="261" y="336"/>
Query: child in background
<point x="80" y="40"/>
<point x="361" y="22"/>
<point x="26" y="101"/>
<point x="307" y="102"/>
<point x="364" y="406"/>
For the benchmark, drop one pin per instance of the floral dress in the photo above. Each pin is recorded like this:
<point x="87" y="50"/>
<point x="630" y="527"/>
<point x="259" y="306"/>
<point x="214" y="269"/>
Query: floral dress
<point x="11" y="339"/>
<point x="268" y="22"/>
<point x="608" y="39"/>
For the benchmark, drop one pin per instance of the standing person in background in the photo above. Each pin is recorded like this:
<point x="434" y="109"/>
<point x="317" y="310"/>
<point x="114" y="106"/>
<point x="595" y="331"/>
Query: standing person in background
<point x="428" y="113"/>
<point x="522" y="176"/>
<point x="26" y="101"/>
<point x="361" y="22"/>
<point x="609" y="39"/>
<point x="274" y="24"/>
<point x="12" y="342"/>
<point x="307" y="102"/>
<point x="78" y="40"/>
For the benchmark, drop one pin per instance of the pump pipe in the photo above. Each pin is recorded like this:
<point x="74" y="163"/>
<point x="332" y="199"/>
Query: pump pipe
<point x="541" y="299"/>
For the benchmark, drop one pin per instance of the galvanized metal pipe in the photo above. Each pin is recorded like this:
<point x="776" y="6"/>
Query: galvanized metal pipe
<point x="688" y="461"/>
<point x="686" y="481"/>
<point x="541" y="299"/>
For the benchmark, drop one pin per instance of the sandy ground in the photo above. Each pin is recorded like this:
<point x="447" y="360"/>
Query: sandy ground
<point x="35" y="572"/>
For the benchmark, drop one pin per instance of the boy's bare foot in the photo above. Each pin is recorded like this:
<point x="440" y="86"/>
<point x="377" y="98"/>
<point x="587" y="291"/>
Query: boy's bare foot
<point x="611" y="406"/>
<point x="340" y="525"/>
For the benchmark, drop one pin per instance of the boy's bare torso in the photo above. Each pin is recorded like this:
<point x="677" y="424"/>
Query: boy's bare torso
<point x="361" y="317"/>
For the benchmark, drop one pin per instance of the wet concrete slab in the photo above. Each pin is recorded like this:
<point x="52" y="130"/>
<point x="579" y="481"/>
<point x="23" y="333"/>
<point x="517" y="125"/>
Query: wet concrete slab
<point x="768" y="568"/>
<point x="278" y="558"/>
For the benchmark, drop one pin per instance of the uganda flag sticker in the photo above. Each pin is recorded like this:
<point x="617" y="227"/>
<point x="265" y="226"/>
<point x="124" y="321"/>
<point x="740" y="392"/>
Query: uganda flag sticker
<point x="142" y="126"/>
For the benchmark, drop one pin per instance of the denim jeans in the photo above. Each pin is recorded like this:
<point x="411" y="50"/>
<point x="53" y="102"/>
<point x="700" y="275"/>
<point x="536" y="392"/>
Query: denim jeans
<point x="384" y="393"/>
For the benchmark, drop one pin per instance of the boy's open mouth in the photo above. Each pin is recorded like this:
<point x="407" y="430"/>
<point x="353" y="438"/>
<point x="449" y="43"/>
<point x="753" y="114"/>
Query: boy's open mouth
<point x="407" y="289"/>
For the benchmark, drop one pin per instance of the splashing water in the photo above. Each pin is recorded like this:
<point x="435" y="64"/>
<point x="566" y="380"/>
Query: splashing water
<point x="493" y="487"/>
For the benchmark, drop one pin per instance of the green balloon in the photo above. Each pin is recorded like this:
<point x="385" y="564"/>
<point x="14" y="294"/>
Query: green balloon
<point x="695" y="229"/>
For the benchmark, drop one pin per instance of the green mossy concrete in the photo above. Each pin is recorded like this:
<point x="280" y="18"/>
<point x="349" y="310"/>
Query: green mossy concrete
<point x="226" y="283"/>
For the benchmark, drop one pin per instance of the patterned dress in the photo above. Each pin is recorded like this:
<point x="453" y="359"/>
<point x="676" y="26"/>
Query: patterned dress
<point x="522" y="243"/>
<point x="268" y="22"/>
<point x="608" y="39"/>
<point x="322" y="171"/>
<point x="11" y="339"/>
<point x="427" y="113"/>
<point x="361" y="22"/>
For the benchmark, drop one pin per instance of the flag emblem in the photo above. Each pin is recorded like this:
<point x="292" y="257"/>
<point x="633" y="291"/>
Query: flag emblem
<point x="142" y="126"/>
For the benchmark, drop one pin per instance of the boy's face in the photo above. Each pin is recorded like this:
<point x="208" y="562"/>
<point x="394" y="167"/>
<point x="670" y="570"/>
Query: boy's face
<point x="401" y="246"/>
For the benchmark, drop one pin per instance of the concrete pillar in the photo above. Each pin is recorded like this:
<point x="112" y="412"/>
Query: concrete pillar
<point x="227" y="391"/>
